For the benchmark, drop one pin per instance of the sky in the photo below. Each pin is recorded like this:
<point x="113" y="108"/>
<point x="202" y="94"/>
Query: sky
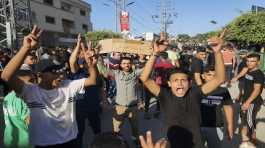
<point x="193" y="16"/>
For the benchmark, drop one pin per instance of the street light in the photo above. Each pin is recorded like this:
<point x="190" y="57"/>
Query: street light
<point x="130" y="4"/>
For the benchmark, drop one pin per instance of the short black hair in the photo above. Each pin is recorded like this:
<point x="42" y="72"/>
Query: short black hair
<point x="126" y="58"/>
<point x="209" y="68"/>
<point x="178" y="70"/>
<point x="228" y="45"/>
<point x="254" y="55"/>
<point x="109" y="140"/>
<point x="200" y="49"/>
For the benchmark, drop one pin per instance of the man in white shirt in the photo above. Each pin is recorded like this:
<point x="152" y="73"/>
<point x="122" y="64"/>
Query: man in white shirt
<point x="50" y="101"/>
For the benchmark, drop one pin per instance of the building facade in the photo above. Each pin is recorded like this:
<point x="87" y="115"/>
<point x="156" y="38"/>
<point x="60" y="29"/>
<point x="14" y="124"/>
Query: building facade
<point x="61" y="20"/>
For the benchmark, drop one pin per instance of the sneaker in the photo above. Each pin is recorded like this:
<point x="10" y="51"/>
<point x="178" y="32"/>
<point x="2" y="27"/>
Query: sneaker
<point x="247" y="144"/>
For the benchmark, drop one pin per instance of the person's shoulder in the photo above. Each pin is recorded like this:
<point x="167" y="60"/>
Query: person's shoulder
<point x="257" y="73"/>
<point x="221" y="90"/>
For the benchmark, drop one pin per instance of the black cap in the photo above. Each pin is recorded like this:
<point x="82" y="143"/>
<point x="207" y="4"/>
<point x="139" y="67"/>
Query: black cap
<point x="49" y="66"/>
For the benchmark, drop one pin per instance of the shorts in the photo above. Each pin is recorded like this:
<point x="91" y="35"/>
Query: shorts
<point x="248" y="118"/>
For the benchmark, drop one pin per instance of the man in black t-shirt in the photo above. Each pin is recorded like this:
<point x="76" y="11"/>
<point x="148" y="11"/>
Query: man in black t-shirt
<point x="197" y="65"/>
<point x="181" y="103"/>
<point x="251" y="99"/>
<point x="212" y="107"/>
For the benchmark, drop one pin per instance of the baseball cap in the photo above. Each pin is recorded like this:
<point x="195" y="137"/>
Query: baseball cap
<point x="49" y="66"/>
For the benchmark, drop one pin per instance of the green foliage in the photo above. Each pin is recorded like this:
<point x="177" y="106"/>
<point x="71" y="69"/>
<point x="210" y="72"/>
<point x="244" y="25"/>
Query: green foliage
<point x="248" y="30"/>
<point x="183" y="37"/>
<point x="202" y="37"/>
<point x="100" y="35"/>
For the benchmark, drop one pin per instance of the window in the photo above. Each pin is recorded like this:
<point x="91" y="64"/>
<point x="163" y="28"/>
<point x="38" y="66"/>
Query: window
<point x="48" y="2"/>
<point x="68" y="25"/>
<point x="82" y="12"/>
<point x="84" y="26"/>
<point x="66" y="6"/>
<point x="50" y="20"/>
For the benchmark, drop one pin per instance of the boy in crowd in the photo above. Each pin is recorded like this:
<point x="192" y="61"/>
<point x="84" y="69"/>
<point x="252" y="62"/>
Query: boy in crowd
<point x="251" y="98"/>
<point x="197" y="65"/>
<point x="51" y="101"/>
<point x="212" y="107"/>
<point x="181" y="103"/>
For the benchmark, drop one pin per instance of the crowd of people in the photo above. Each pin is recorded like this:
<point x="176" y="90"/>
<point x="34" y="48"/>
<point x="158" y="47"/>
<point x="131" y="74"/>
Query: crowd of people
<point x="48" y="94"/>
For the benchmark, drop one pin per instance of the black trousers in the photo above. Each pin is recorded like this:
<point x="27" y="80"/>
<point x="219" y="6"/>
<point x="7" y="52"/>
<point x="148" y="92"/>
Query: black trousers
<point x="94" y="122"/>
<point x="70" y="144"/>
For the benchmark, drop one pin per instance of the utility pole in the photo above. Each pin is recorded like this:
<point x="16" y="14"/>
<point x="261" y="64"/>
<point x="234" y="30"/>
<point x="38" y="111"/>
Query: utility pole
<point x="165" y="16"/>
<point x="15" y="18"/>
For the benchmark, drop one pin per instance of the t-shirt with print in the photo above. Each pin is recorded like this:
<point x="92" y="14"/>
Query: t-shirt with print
<point x="16" y="129"/>
<point x="52" y="112"/>
<point x="183" y="112"/>
<point x="212" y="107"/>
<point x="251" y="78"/>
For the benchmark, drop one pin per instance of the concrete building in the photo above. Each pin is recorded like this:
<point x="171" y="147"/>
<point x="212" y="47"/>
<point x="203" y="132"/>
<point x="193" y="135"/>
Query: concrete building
<point x="62" y="20"/>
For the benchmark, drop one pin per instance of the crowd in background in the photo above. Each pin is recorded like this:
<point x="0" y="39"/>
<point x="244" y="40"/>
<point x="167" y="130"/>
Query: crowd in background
<point x="72" y="64"/>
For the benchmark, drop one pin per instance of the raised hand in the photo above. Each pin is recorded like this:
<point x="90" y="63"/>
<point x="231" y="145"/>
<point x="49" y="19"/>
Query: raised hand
<point x="217" y="41"/>
<point x="89" y="56"/>
<point x="160" y="46"/>
<point x="148" y="143"/>
<point x="89" y="45"/>
<point x="79" y="40"/>
<point x="31" y="40"/>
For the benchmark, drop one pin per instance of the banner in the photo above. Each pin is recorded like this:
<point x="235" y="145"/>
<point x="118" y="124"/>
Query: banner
<point x="125" y="46"/>
<point x="124" y="21"/>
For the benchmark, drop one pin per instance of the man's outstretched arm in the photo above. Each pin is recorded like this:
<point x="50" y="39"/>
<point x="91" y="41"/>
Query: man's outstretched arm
<point x="219" y="77"/>
<point x="30" y="42"/>
<point x="145" y="76"/>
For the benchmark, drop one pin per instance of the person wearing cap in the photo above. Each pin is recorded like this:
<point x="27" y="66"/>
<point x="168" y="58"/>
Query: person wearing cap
<point x="51" y="101"/>
<point x="197" y="65"/>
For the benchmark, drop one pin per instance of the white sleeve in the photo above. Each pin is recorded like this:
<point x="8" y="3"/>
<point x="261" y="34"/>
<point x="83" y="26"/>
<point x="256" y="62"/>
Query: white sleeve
<point x="75" y="87"/>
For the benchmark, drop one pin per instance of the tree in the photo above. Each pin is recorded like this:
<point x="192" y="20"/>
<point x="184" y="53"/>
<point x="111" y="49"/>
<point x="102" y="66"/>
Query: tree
<point x="202" y="37"/>
<point x="183" y="38"/>
<point x="247" y="31"/>
<point x="100" y="35"/>
<point x="96" y="36"/>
